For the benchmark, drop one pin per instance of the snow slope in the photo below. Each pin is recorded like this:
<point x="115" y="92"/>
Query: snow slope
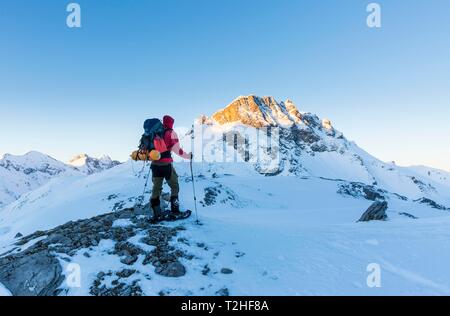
<point x="4" y="291"/>
<point x="278" y="235"/>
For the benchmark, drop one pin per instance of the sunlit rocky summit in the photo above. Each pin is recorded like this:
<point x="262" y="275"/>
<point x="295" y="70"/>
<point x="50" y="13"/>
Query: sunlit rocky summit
<point x="90" y="165"/>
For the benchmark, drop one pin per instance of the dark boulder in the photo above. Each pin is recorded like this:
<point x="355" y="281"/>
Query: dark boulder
<point x="376" y="212"/>
<point x="37" y="274"/>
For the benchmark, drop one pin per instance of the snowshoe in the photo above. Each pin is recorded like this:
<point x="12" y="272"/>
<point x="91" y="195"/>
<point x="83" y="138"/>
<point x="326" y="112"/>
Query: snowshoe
<point x="171" y="217"/>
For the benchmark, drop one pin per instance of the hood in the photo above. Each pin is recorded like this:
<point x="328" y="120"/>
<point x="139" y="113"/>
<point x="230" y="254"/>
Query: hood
<point x="168" y="121"/>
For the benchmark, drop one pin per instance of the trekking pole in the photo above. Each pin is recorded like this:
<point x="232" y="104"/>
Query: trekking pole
<point x="195" y="197"/>
<point x="192" y="178"/>
<point x="146" y="182"/>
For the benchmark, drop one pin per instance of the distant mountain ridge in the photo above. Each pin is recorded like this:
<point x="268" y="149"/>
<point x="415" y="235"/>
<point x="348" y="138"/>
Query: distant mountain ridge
<point x="90" y="165"/>
<point x="24" y="173"/>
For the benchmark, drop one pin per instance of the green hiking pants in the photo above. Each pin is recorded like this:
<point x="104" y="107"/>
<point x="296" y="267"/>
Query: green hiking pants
<point x="161" y="172"/>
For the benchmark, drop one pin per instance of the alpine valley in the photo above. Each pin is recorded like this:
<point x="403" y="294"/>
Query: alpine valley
<point x="295" y="228"/>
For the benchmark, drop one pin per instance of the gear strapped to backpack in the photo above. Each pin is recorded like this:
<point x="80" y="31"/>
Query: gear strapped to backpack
<point x="152" y="140"/>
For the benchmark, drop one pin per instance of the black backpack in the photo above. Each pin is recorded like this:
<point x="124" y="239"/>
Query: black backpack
<point x="152" y="127"/>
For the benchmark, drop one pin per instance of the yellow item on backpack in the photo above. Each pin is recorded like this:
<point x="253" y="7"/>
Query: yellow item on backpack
<point x="155" y="155"/>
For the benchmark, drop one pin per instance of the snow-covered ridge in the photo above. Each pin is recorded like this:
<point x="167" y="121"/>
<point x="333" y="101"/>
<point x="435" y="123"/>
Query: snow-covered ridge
<point x="25" y="173"/>
<point x="21" y="174"/>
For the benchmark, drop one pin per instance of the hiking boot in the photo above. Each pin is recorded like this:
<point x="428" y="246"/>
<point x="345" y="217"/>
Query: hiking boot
<point x="155" y="205"/>
<point x="174" y="206"/>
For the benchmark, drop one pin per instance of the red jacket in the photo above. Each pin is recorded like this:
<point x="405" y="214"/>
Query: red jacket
<point x="171" y="140"/>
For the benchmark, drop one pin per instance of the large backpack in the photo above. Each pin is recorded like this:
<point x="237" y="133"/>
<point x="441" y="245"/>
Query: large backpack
<point x="153" y="137"/>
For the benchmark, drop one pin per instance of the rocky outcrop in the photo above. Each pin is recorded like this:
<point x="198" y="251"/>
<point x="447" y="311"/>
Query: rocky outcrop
<point x="376" y="212"/>
<point x="407" y="215"/>
<point x="220" y="194"/>
<point x="432" y="203"/>
<point x="254" y="111"/>
<point x="31" y="274"/>
<point x="36" y="269"/>
<point x="265" y="111"/>
<point x="357" y="190"/>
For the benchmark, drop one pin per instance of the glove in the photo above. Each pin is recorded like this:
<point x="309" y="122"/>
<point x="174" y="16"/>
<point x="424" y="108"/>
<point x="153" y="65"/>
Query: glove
<point x="134" y="155"/>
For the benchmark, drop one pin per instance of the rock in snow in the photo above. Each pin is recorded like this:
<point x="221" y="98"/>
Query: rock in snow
<point x="31" y="274"/>
<point x="376" y="212"/>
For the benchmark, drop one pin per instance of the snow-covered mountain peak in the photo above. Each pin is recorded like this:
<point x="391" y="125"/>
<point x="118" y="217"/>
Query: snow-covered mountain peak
<point x="307" y="146"/>
<point x="89" y="165"/>
<point x="21" y="174"/>
<point x="78" y="160"/>
<point x="31" y="162"/>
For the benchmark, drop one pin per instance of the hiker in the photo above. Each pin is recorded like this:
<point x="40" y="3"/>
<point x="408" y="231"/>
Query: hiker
<point x="157" y="145"/>
<point x="164" y="169"/>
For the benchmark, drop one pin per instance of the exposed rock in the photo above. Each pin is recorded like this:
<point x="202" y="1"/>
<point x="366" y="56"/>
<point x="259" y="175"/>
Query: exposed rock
<point x="377" y="211"/>
<point x="31" y="274"/>
<point x="251" y="110"/>
<point x="226" y="271"/>
<point x="223" y="292"/>
<point x="219" y="194"/>
<point x="206" y="269"/>
<point x="210" y="196"/>
<point x="125" y="273"/>
<point x="171" y="269"/>
<point x="128" y="252"/>
<point x="432" y="203"/>
<point x="37" y="271"/>
<point x="356" y="189"/>
<point x="407" y="215"/>
<point x="239" y="254"/>
<point x="118" y="289"/>
<point x="300" y="135"/>
<point x="424" y="187"/>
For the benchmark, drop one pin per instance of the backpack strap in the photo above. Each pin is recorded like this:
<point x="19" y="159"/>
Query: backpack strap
<point x="168" y="153"/>
<point x="160" y="144"/>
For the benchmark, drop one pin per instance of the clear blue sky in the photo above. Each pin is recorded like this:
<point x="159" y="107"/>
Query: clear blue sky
<point x="65" y="91"/>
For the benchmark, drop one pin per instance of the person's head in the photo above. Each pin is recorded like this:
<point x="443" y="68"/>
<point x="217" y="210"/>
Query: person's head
<point x="168" y="121"/>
